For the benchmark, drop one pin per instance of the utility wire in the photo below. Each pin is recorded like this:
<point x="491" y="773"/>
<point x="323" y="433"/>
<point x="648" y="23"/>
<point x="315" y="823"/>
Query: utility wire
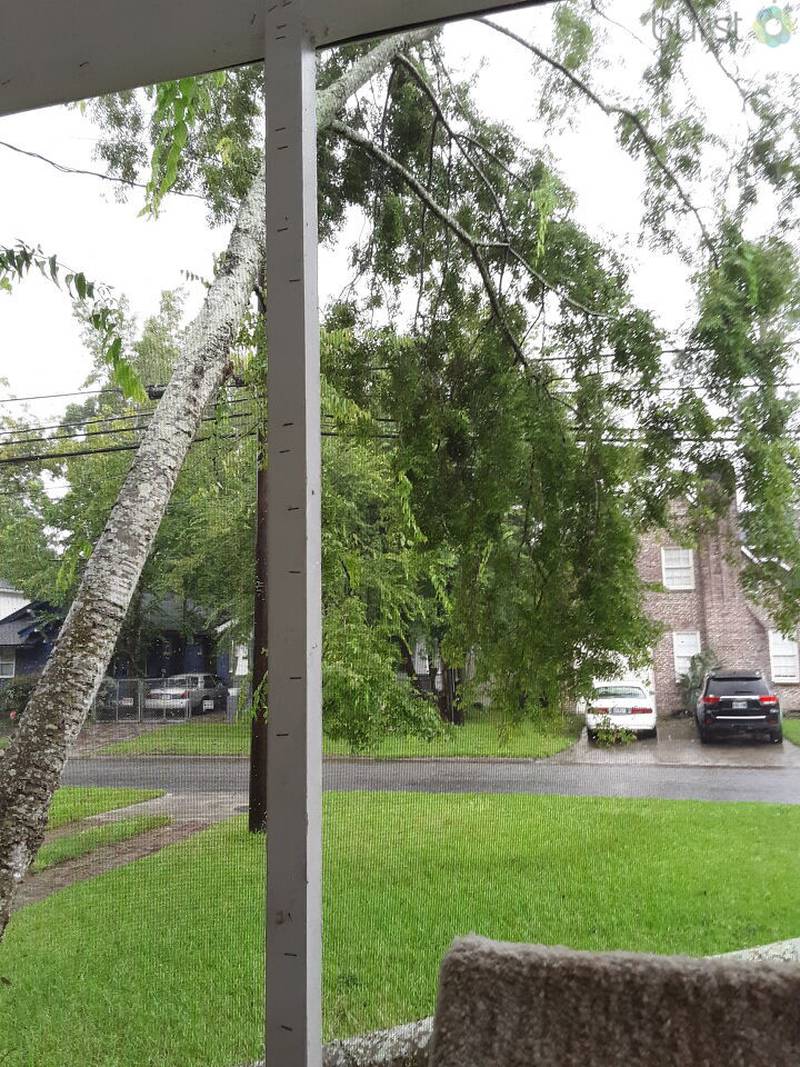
<point x="11" y="460"/>
<point x="58" y="396"/>
<point x="62" y="168"/>
<point x="103" y="433"/>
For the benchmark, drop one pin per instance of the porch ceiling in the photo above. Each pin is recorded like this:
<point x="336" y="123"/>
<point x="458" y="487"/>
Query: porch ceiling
<point x="54" y="51"/>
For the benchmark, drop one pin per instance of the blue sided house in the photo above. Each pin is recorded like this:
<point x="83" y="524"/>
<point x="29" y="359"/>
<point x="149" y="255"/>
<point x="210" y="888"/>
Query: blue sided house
<point x="171" y="636"/>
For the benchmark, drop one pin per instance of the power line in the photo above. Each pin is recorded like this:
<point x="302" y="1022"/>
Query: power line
<point x="58" y="396"/>
<point x="103" y="433"/>
<point x="62" y="168"/>
<point x="79" y="434"/>
<point x="90" y="420"/>
<point x="12" y="460"/>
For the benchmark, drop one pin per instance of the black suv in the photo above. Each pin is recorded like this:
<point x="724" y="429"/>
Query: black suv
<point x="733" y="702"/>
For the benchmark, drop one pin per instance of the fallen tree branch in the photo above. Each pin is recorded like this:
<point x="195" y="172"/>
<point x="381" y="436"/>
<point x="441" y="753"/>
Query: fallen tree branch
<point x="471" y="243"/>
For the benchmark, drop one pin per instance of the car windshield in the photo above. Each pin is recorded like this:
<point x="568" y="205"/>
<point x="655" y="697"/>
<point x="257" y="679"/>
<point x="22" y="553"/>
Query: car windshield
<point x="178" y="682"/>
<point x="727" y="687"/>
<point x="603" y="691"/>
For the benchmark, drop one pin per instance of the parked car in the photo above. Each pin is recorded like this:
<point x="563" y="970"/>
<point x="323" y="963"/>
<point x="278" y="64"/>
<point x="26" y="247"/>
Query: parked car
<point x="624" y="705"/>
<point x="737" y="702"/>
<point x="194" y="694"/>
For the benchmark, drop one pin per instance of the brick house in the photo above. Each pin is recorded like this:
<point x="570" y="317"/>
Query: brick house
<point x="702" y="606"/>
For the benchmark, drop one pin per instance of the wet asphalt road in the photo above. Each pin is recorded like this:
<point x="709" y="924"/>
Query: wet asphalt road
<point x="775" y="784"/>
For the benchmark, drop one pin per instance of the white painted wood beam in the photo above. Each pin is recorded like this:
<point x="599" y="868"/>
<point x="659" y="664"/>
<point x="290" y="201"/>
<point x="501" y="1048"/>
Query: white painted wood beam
<point x="294" y="591"/>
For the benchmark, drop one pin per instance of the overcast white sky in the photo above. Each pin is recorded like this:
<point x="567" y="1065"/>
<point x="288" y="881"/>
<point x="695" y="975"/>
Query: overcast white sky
<point x="79" y="219"/>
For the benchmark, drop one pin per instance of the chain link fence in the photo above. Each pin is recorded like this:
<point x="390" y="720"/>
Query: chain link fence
<point x="159" y="699"/>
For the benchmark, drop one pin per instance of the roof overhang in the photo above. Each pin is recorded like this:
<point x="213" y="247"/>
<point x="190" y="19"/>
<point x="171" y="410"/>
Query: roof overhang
<point x="56" y="51"/>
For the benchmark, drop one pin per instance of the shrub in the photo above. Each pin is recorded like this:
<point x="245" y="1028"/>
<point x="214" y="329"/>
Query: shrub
<point x="689" y="684"/>
<point x="16" y="693"/>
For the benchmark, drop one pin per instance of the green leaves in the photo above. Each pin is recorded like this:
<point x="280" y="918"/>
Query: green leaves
<point x="178" y="105"/>
<point x="96" y="301"/>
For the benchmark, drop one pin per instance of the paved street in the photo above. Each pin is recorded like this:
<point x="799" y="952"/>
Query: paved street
<point x="209" y="775"/>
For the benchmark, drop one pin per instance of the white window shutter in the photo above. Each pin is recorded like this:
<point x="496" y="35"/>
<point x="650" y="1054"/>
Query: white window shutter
<point x="685" y="645"/>
<point x="783" y="658"/>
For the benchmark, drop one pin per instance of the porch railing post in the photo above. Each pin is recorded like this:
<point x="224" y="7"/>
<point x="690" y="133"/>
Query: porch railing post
<point x="294" y="740"/>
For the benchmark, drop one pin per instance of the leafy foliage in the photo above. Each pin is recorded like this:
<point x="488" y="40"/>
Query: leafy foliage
<point x="503" y="418"/>
<point x="95" y="300"/>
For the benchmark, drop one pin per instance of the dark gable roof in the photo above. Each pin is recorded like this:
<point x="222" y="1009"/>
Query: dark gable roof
<point x="37" y="619"/>
<point x="9" y="633"/>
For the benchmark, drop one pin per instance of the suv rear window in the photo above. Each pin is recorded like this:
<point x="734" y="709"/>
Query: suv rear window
<point x="728" y="687"/>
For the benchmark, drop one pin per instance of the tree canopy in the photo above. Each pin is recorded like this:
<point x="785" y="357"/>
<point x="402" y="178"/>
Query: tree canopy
<point x="505" y="414"/>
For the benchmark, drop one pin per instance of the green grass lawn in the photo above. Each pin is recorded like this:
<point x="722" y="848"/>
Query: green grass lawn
<point x="791" y="730"/>
<point x="70" y="846"/>
<point x="481" y="738"/>
<point x="72" y="803"/>
<point x="160" y="962"/>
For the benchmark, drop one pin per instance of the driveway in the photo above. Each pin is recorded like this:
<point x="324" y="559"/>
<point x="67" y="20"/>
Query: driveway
<point x="679" y="746"/>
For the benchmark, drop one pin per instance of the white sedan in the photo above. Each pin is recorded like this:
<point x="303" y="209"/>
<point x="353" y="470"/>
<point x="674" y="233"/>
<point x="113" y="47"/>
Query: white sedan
<point x="622" y="707"/>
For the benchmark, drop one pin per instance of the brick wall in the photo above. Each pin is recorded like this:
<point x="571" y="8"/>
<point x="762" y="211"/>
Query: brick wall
<point x="728" y="623"/>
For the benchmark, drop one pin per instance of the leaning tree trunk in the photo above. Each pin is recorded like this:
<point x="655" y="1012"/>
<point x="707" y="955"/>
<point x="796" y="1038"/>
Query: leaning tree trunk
<point x="30" y="769"/>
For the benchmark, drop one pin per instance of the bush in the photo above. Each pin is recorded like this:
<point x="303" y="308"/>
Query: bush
<point x="16" y="693"/>
<point x="689" y="684"/>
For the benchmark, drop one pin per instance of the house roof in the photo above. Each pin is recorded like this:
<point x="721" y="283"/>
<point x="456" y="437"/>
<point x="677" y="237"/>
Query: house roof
<point x="22" y="624"/>
<point x="9" y="633"/>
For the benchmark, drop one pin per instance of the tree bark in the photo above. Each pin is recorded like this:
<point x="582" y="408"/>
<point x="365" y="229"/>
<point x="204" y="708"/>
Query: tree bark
<point x="402" y="1046"/>
<point x="30" y="769"/>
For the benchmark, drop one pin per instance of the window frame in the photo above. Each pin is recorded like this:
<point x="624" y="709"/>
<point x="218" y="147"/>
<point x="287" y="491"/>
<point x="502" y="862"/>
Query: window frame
<point x="684" y="633"/>
<point x="779" y="679"/>
<point x="672" y="588"/>
<point x="12" y="652"/>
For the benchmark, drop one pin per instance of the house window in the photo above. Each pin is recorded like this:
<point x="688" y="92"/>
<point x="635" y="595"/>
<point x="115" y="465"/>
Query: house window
<point x="677" y="568"/>
<point x="685" y="645"/>
<point x="783" y="658"/>
<point x="7" y="657"/>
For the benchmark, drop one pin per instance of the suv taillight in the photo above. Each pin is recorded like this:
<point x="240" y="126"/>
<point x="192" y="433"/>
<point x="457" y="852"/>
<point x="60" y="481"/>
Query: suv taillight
<point x="640" y="711"/>
<point x="770" y="700"/>
<point x="710" y="699"/>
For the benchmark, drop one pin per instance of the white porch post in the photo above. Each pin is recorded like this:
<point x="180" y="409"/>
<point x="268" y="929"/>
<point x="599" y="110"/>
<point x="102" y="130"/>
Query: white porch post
<point x="294" y="768"/>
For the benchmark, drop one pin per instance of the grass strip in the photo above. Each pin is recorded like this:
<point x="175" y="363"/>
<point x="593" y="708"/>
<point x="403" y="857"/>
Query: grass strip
<point x="82" y="842"/>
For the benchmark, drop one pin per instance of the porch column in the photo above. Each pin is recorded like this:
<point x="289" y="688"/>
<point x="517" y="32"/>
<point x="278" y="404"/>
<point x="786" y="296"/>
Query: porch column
<point x="294" y="737"/>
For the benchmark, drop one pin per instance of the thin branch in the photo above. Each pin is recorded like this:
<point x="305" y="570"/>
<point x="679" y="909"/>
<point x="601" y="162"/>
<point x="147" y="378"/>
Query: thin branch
<point x="466" y="238"/>
<point x="620" y="26"/>
<point x="424" y="219"/>
<point x="610" y="110"/>
<point x="457" y="138"/>
<point x="62" y="168"/>
<point x="712" y="47"/>
<point x="504" y="246"/>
